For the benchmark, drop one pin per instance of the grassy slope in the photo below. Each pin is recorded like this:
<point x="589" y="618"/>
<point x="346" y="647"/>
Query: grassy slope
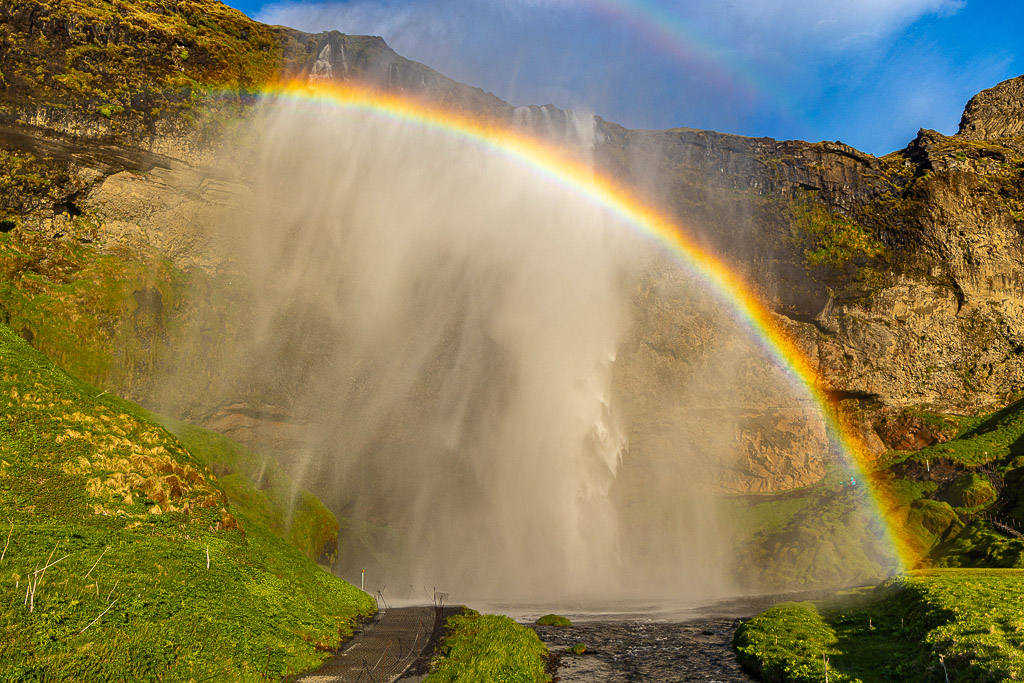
<point x="959" y="537"/>
<point x="816" y="537"/>
<point x="77" y="302"/>
<point x="968" y="623"/>
<point x="261" y="489"/>
<point x="969" y="614"/>
<point x="87" y="479"/>
<point x="487" y="647"/>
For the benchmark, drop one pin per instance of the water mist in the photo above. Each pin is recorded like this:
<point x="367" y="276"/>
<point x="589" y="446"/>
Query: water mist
<point x="445" y="323"/>
<point x="489" y="397"/>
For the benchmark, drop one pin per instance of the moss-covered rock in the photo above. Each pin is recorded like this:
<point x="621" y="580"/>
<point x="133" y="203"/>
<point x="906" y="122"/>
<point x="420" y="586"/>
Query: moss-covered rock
<point x="127" y="65"/>
<point x="488" y="647"/>
<point x="554" y="620"/>
<point x="929" y="519"/>
<point x="785" y="643"/>
<point x="980" y="545"/>
<point x="970" y="491"/>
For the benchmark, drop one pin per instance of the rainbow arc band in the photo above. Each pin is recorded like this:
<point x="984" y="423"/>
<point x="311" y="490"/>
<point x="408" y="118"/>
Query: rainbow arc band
<point x="560" y="166"/>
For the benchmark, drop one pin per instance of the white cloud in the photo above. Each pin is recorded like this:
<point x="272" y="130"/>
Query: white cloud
<point x="836" y="25"/>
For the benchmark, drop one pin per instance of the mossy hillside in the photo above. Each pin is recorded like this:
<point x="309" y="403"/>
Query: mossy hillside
<point x="120" y="317"/>
<point x="979" y="545"/>
<point x="941" y="493"/>
<point x="993" y="438"/>
<point x="138" y="61"/>
<point x="823" y="535"/>
<point x="258" y="487"/>
<point x="970" y="492"/>
<point x="964" y="625"/>
<point x="971" y="617"/>
<point x="74" y="301"/>
<point x="151" y="575"/>
<point x="488" y="647"/>
<point x="928" y="522"/>
<point x="826" y="534"/>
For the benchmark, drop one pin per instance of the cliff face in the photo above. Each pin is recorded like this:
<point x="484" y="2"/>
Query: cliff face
<point x="900" y="275"/>
<point x="995" y="113"/>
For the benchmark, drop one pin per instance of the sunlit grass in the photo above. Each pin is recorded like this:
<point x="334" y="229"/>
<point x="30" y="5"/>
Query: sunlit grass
<point x="964" y="623"/>
<point x="487" y="647"/>
<point x="121" y="559"/>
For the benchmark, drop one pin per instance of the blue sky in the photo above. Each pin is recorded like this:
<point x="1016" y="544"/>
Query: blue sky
<point x="866" y="72"/>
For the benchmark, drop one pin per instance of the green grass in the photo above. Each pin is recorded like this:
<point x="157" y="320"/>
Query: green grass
<point x="821" y="536"/>
<point x="487" y="647"/>
<point x="969" y="623"/>
<point x="785" y="643"/>
<point x="259" y="487"/>
<point x="995" y="437"/>
<point x="130" y="517"/>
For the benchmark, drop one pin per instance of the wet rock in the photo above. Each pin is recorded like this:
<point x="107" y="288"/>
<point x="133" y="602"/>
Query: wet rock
<point x="699" y="650"/>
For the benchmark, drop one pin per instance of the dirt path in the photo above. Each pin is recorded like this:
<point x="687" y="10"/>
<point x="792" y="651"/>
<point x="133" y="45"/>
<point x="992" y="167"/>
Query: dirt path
<point x="382" y="650"/>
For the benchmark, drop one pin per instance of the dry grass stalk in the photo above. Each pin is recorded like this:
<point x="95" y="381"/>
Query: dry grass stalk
<point x="7" y="545"/>
<point x="97" y="562"/>
<point x="99" y="617"/>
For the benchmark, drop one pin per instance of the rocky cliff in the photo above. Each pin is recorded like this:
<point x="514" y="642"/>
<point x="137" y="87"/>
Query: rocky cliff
<point x="901" y="275"/>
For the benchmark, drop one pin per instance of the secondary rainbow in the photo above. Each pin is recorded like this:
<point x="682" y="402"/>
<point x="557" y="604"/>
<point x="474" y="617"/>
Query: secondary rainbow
<point x="566" y="169"/>
<point x="667" y="28"/>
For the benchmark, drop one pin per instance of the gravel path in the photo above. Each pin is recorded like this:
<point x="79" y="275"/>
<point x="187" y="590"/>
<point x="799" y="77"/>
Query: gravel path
<point x="382" y="650"/>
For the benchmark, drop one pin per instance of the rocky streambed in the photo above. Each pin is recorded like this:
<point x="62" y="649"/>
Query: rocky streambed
<point x="654" y="642"/>
<point x="637" y="650"/>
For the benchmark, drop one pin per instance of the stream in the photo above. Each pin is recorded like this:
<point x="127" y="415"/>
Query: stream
<point x="663" y="642"/>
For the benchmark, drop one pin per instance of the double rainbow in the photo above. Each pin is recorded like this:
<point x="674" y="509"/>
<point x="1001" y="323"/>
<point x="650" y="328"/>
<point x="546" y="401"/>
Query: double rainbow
<point x="558" y="166"/>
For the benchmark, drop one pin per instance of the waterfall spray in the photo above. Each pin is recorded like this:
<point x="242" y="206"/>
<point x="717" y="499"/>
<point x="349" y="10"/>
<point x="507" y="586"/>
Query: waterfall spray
<point x="448" y="327"/>
<point x="453" y="329"/>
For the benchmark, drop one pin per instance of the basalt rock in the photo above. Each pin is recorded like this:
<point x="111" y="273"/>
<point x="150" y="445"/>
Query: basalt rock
<point x="995" y="113"/>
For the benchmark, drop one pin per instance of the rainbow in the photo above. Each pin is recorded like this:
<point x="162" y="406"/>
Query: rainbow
<point x="561" y="167"/>
<point x="666" y="30"/>
<point x="671" y="35"/>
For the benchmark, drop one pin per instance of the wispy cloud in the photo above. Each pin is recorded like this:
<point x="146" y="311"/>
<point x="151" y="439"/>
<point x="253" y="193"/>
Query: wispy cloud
<point x="766" y="67"/>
